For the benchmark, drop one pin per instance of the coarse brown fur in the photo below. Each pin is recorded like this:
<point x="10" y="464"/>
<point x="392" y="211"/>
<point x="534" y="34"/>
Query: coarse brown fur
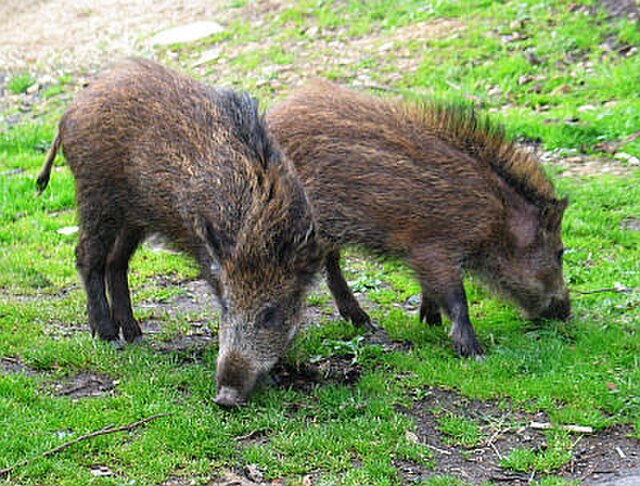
<point x="433" y="184"/>
<point x="154" y="151"/>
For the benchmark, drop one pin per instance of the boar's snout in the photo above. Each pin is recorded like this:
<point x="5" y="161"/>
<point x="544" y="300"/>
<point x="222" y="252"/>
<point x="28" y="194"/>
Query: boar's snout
<point x="228" y="397"/>
<point x="235" y="378"/>
<point x="559" y="308"/>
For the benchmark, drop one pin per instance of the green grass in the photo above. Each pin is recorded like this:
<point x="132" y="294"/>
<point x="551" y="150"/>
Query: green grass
<point x="19" y="83"/>
<point x="460" y="430"/>
<point x="585" y="371"/>
<point x="556" y="453"/>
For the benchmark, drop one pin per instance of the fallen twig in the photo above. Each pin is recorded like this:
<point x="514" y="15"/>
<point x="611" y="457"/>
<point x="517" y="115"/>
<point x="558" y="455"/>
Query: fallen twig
<point x="582" y="429"/>
<point x="437" y="449"/>
<point x="621" y="453"/>
<point x="619" y="290"/>
<point x="107" y="430"/>
<point x="381" y="88"/>
<point x="248" y="436"/>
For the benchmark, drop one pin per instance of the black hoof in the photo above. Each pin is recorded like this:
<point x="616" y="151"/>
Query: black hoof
<point x="131" y="331"/>
<point x="367" y="324"/>
<point x="469" y="348"/>
<point x="431" y="318"/>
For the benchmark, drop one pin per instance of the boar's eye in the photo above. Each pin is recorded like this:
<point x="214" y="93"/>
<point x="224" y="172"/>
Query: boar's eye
<point x="271" y="317"/>
<point x="560" y="254"/>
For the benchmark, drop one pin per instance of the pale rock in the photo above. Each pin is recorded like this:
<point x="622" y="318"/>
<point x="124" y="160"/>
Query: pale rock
<point x="68" y="230"/>
<point x="630" y="159"/>
<point x="207" y="56"/>
<point x="583" y="108"/>
<point x="33" y="89"/>
<point x="184" y="34"/>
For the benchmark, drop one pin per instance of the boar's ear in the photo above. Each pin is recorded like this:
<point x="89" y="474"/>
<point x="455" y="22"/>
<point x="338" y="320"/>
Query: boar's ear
<point x="218" y="246"/>
<point x="307" y="254"/>
<point x="552" y="214"/>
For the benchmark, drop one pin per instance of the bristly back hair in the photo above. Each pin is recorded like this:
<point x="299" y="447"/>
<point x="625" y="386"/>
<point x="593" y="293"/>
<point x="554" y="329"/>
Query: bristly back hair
<point x="476" y="135"/>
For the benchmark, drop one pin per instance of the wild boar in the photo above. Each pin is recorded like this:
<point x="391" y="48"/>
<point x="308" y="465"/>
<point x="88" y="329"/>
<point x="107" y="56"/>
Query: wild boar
<point x="152" y="150"/>
<point x="434" y="184"/>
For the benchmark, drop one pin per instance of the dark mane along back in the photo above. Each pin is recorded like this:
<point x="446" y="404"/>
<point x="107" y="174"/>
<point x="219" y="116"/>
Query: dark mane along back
<point x="477" y="136"/>
<point x="243" y="112"/>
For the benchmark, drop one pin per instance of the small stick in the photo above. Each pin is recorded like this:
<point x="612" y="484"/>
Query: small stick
<point x="380" y="88"/>
<point x="582" y="429"/>
<point x="250" y="435"/>
<point x="437" y="449"/>
<point x="495" y="449"/>
<point x="620" y="453"/>
<point x="619" y="290"/>
<point x="107" y="430"/>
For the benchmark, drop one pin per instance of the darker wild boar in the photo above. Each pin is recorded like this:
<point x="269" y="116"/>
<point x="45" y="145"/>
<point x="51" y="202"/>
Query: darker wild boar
<point x="433" y="184"/>
<point x="154" y="151"/>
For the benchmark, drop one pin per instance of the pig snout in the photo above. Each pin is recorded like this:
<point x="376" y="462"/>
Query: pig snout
<point x="559" y="308"/>
<point x="235" y="378"/>
<point x="228" y="397"/>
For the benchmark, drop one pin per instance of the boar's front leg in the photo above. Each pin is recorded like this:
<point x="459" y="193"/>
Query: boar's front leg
<point x="118" y="285"/>
<point x="429" y="311"/>
<point x="344" y="298"/>
<point x="442" y="280"/>
<point x="462" y="334"/>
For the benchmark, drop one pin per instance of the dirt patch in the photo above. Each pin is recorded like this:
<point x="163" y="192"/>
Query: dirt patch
<point x="191" y="297"/>
<point x="54" y="34"/>
<point x="337" y="369"/>
<point x="630" y="224"/>
<point x="84" y="385"/>
<point x="588" y="165"/>
<point x="9" y="364"/>
<point x="422" y="32"/>
<point x="594" y="456"/>
<point x="188" y="348"/>
<point x="622" y="8"/>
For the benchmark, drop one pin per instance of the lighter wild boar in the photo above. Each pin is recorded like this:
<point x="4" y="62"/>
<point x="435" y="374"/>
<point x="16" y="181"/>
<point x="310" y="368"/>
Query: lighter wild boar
<point x="154" y="151"/>
<point x="435" y="185"/>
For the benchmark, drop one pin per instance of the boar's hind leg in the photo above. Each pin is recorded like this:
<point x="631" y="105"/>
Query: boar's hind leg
<point x="118" y="285"/>
<point x="346" y="302"/>
<point x="430" y="311"/>
<point x="91" y="256"/>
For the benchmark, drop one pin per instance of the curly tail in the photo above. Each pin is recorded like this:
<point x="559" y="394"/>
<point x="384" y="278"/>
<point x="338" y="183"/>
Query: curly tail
<point x="45" y="173"/>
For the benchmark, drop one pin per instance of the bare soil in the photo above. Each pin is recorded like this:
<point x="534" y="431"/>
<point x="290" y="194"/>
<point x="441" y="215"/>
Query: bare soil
<point x="9" y="364"/>
<point x="595" y="456"/>
<point x="84" y="385"/>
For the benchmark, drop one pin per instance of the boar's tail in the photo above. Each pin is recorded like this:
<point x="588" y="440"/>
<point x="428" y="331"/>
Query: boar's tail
<point x="45" y="173"/>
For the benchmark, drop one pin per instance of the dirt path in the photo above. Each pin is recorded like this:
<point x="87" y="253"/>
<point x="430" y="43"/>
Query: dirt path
<point x="55" y="35"/>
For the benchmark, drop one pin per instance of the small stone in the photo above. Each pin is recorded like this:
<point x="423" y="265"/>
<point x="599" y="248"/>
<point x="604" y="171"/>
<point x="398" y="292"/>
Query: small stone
<point x="630" y="159"/>
<point x="517" y="24"/>
<point x="207" y="56"/>
<point x="312" y="31"/>
<point x="186" y="33"/>
<point x="583" y="108"/>
<point x="33" y="89"/>
<point x="101" y="471"/>
<point x="68" y="230"/>
<point x="411" y="437"/>
<point x="524" y="79"/>
<point x="532" y="58"/>
<point x="494" y="90"/>
<point x="252" y="473"/>
<point x="47" y="79"/>
<point x="562" y="89"/>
